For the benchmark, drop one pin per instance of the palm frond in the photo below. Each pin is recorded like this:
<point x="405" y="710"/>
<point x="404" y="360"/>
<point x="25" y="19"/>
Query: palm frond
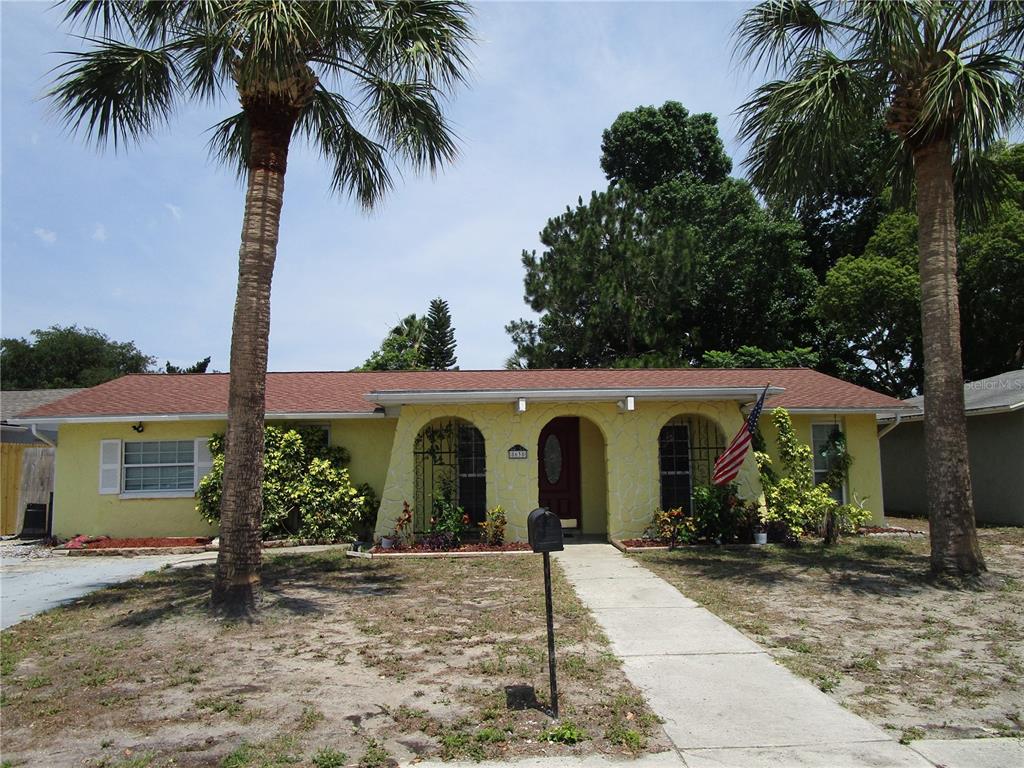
<point x="146" y="22"/>
<point x="978" y="181"/>
<point x="976" y="99"/>
<point x="230" y="142"/>
<point x="359" y="164"/>
<point x="116" y="92"/>
<point x="410" y="120"/>
<point x="421" y="40"/>
<point x="100" y="16"/>
<point x="889" y="33"/>
<point x="400" y="57"/>
<point x="207" y="63"/>
<point x="794" y="126"/>
<point x="274" y="37"/>
<point x="775" y="33"/>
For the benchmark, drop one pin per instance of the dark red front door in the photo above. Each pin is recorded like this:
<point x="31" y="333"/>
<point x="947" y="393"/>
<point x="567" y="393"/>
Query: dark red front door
<point x="558" y="468"/>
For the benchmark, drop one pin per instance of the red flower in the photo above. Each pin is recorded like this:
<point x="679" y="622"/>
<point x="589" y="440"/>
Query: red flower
<point x="465" y="519"/>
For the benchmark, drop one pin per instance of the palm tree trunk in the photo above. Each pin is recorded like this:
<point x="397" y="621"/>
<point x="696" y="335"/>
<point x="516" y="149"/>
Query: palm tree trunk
<point x="236" y="585"/>
<point x="954" y="541"/>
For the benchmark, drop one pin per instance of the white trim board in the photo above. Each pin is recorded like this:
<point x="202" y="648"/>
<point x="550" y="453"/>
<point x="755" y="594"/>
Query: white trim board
<point x="455" y="397"/>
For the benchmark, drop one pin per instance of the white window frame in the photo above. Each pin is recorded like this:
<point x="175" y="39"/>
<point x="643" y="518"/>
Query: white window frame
<point x="831" y="425"/>
<point x="201" y="464"/>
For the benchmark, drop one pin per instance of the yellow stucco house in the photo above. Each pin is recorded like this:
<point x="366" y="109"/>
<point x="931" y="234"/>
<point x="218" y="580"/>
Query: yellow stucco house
<point x="602" y="448"/>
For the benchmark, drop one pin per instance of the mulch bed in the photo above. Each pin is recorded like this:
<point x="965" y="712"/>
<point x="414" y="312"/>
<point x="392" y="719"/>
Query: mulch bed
<point x="888" y="530"/>
<point x="105" y="542"/>
<point x="639" y="543"/>
<point x="511" y="546"/>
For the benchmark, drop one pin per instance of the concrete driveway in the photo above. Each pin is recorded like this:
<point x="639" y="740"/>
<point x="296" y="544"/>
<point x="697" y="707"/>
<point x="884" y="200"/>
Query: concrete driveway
<point x="33" y="584"/>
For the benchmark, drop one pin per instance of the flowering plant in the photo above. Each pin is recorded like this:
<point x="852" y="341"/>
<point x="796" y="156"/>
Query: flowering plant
<point x="403" y="526"/>
<point x="492" y="530"/>
<point x="672" y="526"/>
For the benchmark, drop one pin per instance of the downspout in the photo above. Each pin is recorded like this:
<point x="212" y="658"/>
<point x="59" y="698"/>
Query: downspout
<point x="40" y="438"/>
<point x="890" y="427"/>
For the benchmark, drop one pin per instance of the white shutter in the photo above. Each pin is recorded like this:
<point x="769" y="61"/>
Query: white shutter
<point x="203" y="459"/>
<point x="110" y="466"/>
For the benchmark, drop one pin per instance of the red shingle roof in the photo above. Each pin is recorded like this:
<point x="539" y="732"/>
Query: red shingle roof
<point x="330" y="392"/>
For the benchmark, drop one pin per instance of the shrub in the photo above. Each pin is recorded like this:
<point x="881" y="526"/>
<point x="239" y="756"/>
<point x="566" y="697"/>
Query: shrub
<point x="306" y="489"/>
<point x="672" y="526"/>
<point x="718" y="513"/>
<point x="850" y="517"/>
<point x="449" y="521"/>
<point x="492" y="529"/>
<point x="792" y="500"/>
<point x="365" y="522"/>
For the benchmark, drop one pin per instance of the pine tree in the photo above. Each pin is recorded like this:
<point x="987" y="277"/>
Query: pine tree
<point x="438" y="350"/>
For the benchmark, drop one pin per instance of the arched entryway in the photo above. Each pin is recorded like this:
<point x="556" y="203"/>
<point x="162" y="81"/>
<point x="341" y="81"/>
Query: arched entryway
<point x="688" y="446"/>
<point x="450" y="464"/>
<point x="572" y="473"/>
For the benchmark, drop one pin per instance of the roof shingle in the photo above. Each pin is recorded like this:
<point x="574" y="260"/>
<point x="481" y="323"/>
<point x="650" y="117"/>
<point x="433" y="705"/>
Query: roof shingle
<point x="329" y="392"/>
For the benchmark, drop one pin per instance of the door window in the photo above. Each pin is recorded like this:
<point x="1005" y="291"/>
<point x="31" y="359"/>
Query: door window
<point x="552" y="459"/>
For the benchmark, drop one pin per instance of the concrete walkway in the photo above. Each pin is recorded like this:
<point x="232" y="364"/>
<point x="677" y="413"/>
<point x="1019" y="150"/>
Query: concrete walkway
<point x="30" y="587"/>
<point x="724" y="700"/>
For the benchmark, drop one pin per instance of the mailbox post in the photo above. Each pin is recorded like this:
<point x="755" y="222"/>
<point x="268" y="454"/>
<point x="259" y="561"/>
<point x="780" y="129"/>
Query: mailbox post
<point x="545" y="533"/>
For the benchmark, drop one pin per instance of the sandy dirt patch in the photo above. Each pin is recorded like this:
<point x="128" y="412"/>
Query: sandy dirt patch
<point x="351" y="662"/>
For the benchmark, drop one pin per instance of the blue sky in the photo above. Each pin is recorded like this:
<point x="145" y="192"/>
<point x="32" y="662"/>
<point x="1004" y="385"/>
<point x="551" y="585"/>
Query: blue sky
<point x="143" y="244"/>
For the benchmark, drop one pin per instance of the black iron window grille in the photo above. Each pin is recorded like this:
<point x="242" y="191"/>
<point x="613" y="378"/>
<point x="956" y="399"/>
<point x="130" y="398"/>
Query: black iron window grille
<point x="687" y="449"/>
<point x="449" y="454"/>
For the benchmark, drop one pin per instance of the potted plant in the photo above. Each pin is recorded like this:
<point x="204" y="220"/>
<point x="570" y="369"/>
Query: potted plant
<point x="760" y="535"/>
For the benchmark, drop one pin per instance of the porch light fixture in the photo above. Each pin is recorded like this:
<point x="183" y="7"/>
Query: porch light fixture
<point x="626" y="404"/>
<point x="521" y="405"/>
<point x="138" y="427"/>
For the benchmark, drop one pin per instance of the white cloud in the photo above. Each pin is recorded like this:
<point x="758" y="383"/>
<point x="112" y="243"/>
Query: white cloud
<point x="99" y="233"/>
<point x="46" y="235"/>
<point x="175" y="210"/>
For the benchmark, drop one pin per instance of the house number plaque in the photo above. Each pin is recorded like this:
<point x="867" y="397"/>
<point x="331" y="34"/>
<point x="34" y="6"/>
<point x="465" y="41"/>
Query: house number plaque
<point x="517" y="452"/>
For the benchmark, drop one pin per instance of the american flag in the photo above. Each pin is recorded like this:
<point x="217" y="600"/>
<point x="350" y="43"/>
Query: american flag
<point x="727" y="466"/>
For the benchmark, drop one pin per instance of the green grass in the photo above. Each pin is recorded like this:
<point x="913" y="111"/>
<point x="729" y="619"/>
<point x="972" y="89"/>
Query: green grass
<point x="375" y="756"/>
<point x="330" y="758"/>
<point x="566" y="732"/>
<point x="273" y="753"/>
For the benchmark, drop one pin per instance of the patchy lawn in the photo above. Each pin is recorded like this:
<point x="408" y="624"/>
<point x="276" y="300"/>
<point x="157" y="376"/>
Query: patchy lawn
<point x="863" y="621"/>
<point x="353" y="662"/>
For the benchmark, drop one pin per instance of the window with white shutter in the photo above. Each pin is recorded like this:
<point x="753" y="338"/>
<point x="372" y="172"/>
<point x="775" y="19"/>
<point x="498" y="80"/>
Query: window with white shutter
<point x="204" y="461"/>
<point x="110" y="466"/>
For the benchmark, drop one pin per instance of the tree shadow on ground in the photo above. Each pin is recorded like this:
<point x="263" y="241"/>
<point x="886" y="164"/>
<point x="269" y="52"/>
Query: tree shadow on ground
<point x="292" y="585"/>
<point x="882" y="569"/>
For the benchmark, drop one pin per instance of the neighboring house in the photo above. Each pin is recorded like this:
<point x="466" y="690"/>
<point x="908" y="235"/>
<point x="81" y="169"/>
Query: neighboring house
<point x="26" y="459"/>
<point x="995" y="447"/>
<point x="602" y="448"/>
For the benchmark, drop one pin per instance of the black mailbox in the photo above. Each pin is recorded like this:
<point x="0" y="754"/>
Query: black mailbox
<point x="545" y="531"/>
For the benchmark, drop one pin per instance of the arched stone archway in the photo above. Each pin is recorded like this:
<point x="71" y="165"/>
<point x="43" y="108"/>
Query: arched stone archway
<point x="572" y="478"/>
<point x="449" y="463"/>
<point x="688" y="446"/>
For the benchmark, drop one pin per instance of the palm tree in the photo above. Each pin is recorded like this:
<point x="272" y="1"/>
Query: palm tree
<point x="945" y="77"/>
<point x="411" y="328"/>
<point x="363" y="82"/>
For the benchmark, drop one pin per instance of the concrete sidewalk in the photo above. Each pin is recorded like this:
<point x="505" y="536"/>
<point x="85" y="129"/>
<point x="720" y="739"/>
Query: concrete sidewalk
<point x="31" y="586"/>
<point x="724" y="700"/>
